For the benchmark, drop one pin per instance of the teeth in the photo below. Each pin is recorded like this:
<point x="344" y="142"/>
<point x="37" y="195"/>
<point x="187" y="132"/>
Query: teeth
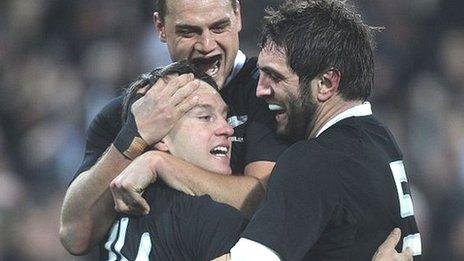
<point x="219" y="151"/>
<point x="214" y="69"/>
<point x="275" y="107"/>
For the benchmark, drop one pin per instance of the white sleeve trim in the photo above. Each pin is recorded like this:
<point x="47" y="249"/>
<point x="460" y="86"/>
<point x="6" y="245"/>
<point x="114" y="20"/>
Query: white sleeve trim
<point x="248" y="250"/>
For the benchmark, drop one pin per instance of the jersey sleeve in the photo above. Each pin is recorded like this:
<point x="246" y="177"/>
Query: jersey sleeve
<point x="102" y="131"/>
<point x="213" y="228"/>
<point x="263" y="144"/>
<point x="301" y="198"/>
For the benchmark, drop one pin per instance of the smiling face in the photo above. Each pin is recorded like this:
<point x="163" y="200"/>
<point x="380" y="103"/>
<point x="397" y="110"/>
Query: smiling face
<point x="204" y="32"/>
<point x="279" y="86"/>
<point x="202" y="135"/>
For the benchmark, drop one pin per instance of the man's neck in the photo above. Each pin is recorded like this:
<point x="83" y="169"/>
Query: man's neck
<point x="329" y="110"/>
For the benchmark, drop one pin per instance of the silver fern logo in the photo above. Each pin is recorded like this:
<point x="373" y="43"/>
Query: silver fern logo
<point x="236" y="121"/>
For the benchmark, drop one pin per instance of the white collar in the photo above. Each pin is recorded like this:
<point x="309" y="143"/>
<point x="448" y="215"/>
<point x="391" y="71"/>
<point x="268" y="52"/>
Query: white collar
<point x="240" y="59"/>
<point x="356" y="111"/>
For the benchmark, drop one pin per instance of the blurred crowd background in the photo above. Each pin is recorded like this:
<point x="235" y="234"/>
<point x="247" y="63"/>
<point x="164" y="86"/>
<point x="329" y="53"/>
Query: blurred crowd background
<point x="62" y="60"/>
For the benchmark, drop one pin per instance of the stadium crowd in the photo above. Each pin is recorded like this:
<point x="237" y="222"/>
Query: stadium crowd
<point x="62" y="60"/>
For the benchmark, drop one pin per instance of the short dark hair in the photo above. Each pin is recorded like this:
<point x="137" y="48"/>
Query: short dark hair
<point x="179" y="67"/>
<point x="161" y="7"/>
<point x="318" y="35"/>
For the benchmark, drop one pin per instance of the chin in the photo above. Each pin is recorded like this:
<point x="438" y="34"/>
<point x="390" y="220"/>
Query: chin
<point x="221" y="167"/>
<point x="223" y="170"/>
<point x="220" y="81"/>
<point x="282" y="129"/>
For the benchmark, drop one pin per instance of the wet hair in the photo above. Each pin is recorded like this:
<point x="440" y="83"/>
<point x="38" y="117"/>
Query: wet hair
<point x="320" y="35"/>
<point x="179" y="67"/>
<point x="161" y="7"/>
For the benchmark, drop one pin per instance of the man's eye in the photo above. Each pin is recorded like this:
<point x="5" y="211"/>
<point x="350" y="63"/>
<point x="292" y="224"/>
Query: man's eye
<point x="205" y="117"/>
<point x="219" y="29"/>
<point x="273" y="77"/>
<point x="186" y="33"/>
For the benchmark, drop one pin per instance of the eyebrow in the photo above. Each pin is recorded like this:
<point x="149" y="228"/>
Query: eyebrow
<point x="209" y="107"/>
<point x="222" y="22"/>
<point x="271" y="71"/>
<point x="183" y="26"/>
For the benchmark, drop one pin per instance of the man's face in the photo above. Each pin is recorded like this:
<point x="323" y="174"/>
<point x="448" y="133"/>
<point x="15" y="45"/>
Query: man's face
<point x="202" y="135"/>
<point x="203" y="31"/>
<point x="280" y="87"/>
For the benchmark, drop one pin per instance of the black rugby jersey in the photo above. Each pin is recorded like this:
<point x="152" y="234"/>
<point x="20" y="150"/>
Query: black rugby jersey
<point x="254" y="136"/>
<point x="337" y="196"/>
<point x="178" y="227"/>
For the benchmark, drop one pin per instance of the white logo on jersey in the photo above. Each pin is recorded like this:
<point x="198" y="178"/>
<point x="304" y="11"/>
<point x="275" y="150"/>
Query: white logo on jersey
<point x="236" y="121"/>
<point x="236" y="139"/>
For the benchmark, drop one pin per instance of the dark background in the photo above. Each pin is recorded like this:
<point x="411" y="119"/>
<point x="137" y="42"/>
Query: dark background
<point x="62" y="60"/>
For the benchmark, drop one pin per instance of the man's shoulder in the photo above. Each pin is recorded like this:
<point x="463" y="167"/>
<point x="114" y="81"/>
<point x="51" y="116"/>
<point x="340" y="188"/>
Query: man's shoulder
<point x="354" y="134"/>
<point x="114" y="106"/>
<point x="250" y="68"/>
<point x="247" y="76"/>
<point x="308" y="148"/>
<point x="110" y="114"/>
<point x="309" y="158"/>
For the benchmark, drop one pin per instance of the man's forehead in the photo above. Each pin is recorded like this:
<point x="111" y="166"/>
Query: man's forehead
<point x="177" y="7"/>
<point x="210" y="106"/>
<point x="273" y="57"/>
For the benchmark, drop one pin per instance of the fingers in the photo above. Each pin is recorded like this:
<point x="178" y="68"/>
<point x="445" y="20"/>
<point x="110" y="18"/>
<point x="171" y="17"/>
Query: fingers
<point x="130" y="203"/>
<point x="187" y="105"/>
<point x="392" y="239"/>
<point x="184" y="92"/>
<point x="173" y="85"/>
<point x="143" y="90"/>
<point x="406" y="255"/>
<point x="128" y="199"/>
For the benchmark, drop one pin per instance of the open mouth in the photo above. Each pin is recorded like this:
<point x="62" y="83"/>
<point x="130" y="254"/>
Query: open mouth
<point x="219" y="151"/>
<point x="279" y="111"/>
<point x="210" y="65"/>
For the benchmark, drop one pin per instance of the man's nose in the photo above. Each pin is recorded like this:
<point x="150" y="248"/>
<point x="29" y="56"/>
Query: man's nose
<point x="224" y="129"/>
<point x="263" y="89"/>
<point x="206" y="42"/>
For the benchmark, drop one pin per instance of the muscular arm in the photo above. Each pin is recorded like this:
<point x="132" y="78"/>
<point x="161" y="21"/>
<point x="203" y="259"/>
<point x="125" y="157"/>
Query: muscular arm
<point x="88" y="208"/>
<point x="242" y="192"/>
<point x="385" y="252"/>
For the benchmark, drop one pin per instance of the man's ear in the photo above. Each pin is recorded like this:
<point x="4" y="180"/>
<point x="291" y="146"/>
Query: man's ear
<point x="328" y="84"/>
<point x="159" y="25"/>
<point x="161" y="146"/>
<point x="238" y="15"/>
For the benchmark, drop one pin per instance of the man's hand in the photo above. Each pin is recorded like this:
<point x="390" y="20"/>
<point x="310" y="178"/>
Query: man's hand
<point x="387" y="252"/>
<point x="127" y="187"/>
<point x="163" y="104"/>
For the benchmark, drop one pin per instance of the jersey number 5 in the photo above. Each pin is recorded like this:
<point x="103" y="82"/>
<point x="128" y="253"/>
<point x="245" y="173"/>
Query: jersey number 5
<point x="406" y="209"/>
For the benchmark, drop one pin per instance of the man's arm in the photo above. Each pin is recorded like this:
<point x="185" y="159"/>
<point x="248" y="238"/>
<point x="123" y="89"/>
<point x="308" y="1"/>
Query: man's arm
<point x="88" y="208"/>
<point x="241" y="192"/>
<point x="385" y="252"/>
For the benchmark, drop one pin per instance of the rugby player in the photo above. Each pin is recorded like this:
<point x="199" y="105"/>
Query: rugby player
<point x="206" y="33"/>
<point x="336" y="193"/>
